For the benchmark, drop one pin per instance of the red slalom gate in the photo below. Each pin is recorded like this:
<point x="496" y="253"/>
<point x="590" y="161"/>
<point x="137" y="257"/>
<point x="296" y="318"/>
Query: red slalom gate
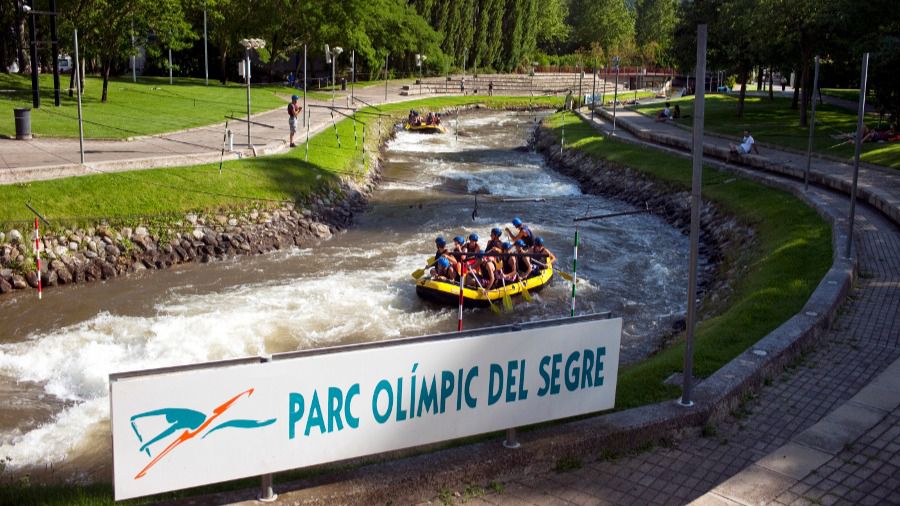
<point x="37" y="255"/>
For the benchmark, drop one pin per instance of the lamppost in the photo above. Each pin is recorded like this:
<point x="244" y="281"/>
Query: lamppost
<point x="615" y="62"/>
<point x="420" y="62"/>
<point x="331" y="56"/>
<point x="534" y="65"/>
<point x="248" y="45"/>
<point x="28" y="10"/>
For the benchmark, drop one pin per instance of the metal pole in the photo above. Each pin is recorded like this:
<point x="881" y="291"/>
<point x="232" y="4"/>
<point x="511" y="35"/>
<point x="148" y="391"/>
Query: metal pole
<point x="594" y="90"/>
<point x="170" y="70"/>
<point x="133" y="56"/>
<point x="580" y="86"/>
<point x="54" y="45"/>
<point x="78" y="93"/>
<point x="812" y="127"/>
<point x="386" y="75"/>
<point x="352" y="76"/>
<point x="615" y="97"/>
<point x="511" y="442"/>
<point x="305" y="117"/>
<point x="205" y="51"/>
<point x="247" y="77"/>
<point x="332" y="79"/>
<point x="696" y="181"/>
<point x="35" y="85"/>
<point x="860" y="124"/>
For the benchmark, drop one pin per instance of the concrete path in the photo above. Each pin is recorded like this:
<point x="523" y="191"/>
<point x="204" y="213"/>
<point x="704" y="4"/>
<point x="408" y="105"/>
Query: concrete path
<point x="825" y="432"/>
<point x="879" y="185"/>
<point x="49" y="158"/>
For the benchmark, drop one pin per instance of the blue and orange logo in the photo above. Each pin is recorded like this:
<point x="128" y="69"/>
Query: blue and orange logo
<point x="193" y="422"/>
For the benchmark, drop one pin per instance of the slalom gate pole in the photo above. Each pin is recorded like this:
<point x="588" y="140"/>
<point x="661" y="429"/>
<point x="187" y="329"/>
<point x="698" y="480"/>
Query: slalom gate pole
<point x="333" y="124"/>
<point x="37" y="256"/>
<point x="462" y="278"/>
<point x="574" y="271"/>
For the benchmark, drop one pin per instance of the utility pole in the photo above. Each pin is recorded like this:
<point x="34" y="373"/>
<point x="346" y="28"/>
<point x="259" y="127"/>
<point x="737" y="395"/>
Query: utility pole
<point x="54" y="48"/>
<point x="35" y="84"/>
<point x="78" y="92"/>
<point x="812" y="128"/>
<point x="859" y="135"/>
<point x="696" y="181"/>
<point x="206" y="51"/>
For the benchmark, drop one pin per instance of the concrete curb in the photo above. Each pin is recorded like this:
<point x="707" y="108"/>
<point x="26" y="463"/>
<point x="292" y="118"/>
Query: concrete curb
<point x="422" y="476"/>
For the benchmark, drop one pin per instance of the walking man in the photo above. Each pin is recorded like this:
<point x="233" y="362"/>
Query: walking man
<point x="293" y="110"/>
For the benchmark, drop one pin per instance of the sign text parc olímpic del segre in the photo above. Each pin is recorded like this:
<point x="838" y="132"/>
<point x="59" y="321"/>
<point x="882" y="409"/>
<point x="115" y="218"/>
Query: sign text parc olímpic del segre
<point x="406" y="398"/>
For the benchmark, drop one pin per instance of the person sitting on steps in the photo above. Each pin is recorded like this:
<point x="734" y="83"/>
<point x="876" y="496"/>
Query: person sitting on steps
<point x="746" y="146"/>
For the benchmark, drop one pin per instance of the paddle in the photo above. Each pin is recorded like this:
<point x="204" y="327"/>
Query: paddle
<point x="525" y="294"/>
<point x="507" y="301"/>
<point x="565" y="275"/>
<point x="418" y="273"/>
<point x="494" y="309"/>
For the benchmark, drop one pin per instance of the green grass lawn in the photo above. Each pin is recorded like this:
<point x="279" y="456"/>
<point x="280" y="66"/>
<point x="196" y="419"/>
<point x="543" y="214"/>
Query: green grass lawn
<point x="168" y="191"/>
<point x="844" y="93"/>
<point x="774" y="122"/>
<point x="784" y="266"/>
<point x="150" y="106"/>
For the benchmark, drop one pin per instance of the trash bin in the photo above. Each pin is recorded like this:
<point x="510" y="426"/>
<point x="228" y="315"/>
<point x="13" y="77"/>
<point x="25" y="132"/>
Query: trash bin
<point x="23" y="124"/>
<point x="343" y="84"/>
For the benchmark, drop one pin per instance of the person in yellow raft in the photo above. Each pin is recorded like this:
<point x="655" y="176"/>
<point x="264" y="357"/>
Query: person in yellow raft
<point x="523" y="233"/>
<point x="540" y="254"/>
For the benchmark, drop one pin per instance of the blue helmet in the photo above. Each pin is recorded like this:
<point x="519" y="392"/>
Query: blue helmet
<point x="440" y="242"/>
<point x="539" y="241"/>
<point x="459" y="239"/>
<point x="496" y="231"/>
<point x="506" y="245"/>
<point x="520" y="243"/>
<point x="443" y="262"/>
<point x="517" y="221"/>
<point x="294" y="97"/>
<point x="473" y="237"/>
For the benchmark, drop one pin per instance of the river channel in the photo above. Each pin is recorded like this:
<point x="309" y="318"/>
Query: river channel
<point x="56" y="355"/>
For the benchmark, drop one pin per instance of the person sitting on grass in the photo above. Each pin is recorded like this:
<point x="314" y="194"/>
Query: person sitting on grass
<point x="676" y="113"/>
<point x="746" y="146"/>
<point x="664" y="114"/>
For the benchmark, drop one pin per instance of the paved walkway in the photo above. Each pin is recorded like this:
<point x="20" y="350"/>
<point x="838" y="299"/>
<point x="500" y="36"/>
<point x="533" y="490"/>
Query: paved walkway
<point x="48" y="158"/>
<point x="824" y="432"/>
<point x="880" y="185"/>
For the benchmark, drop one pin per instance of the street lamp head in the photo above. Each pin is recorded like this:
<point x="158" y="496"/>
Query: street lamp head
<point x="26" y="8"/>
<point x="253" y="43"/>
<point x="337" y="50"/>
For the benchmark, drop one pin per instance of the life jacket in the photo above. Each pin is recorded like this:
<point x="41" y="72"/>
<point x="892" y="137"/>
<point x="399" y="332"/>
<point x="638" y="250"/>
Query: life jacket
<point x="493" y="243"/>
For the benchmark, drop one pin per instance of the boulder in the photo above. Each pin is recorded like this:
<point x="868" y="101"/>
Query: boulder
<point x="49" y="278"/>
<point x="15" y="236"/>
<point x="64" y="276"/>
<point x="141" y="232"/>
<point x="32" y="278"/>
<point x="18" y="282"/>
<point x="5" y="287"/>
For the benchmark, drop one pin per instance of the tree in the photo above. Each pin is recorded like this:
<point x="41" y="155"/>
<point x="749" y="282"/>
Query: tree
<point x="608" y="23"/>
<point x="654" y="29"/>
<point x="552" y="28"/>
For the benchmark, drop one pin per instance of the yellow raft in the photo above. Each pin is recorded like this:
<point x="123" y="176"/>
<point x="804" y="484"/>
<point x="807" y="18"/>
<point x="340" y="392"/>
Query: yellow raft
<point x="443" y="292"/>
<point x="426" y="129"/>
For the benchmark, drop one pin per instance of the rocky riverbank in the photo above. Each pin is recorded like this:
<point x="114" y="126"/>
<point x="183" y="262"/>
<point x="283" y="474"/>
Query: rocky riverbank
<point x="721" y="235"/>
<point x="108" y="250"/>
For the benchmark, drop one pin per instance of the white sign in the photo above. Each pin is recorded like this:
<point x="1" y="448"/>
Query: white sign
<point x="179" y="429"/>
